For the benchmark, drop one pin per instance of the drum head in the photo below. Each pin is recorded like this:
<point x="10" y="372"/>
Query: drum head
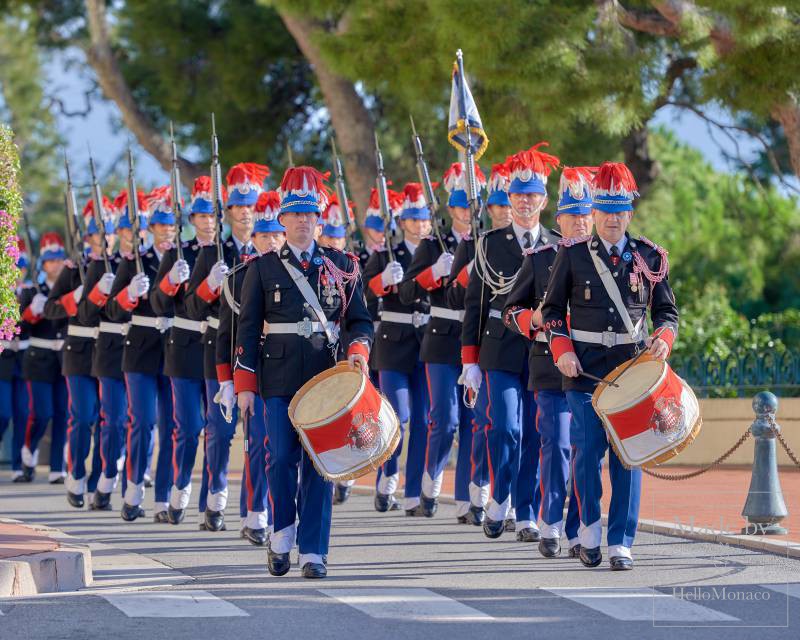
<point x="633" y="385"/>
<point x="328" y="397"/>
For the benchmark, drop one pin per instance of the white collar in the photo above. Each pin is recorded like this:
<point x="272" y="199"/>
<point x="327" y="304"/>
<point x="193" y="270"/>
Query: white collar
<point x="239" y="244"/>
<point x="411" y="246"/>
<point x="458" y="236"/>
<point x="297" y="250"/>
<point x="620" y="245"/>
<point x="519" y="231"/>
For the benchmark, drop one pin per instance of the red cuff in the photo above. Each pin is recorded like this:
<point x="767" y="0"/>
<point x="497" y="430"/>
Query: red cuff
<point x="470" y="355"/>
<point x="68" y="302"/>
<point x="358" y="348"/>
<point x="376" y="285"/>
<point x="463" y="278"/>
<point x="167" y="287"/>
<point x="224" y="373"/>
<point x="205" y="292"/>
<point x="125" y="302"/>
<point x="668" y="336"/>
<point x="244" y="381"/>
<point x="524" y="323"/>
<point x="427" y="280"/>
<point x="29" y="316"/>
<point x="560" y="345"/>
<point x="97" y="297"/>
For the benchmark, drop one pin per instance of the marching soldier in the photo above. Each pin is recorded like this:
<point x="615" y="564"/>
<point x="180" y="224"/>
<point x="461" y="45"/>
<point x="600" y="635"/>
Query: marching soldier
<point x="441" y="346"/>
<point x="41" y="365"/>
<point x="202" y="304"/>
<point x="606" y="281"/>
<point x="523" y="314"/>
<point x="282" y="289"/>
<point x="487" y="346"/>
<point x="334" y="231"/>
<point x="397" y="344"/>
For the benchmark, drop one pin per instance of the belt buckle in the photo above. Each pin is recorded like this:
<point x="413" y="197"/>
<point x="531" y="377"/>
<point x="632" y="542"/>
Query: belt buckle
<point x="203" y="326"/>
<point x="609" y="339"/>
<point x="305" y="328"/>
<point x="417" y="319"/>
<point x="161" y="324"/>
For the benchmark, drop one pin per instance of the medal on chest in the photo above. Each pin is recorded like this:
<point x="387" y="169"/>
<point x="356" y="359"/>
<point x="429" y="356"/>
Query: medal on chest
<point x="328" y="289"/>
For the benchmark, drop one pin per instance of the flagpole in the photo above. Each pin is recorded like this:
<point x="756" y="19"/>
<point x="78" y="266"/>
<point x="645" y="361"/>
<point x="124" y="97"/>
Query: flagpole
<point x="472" y="187"/>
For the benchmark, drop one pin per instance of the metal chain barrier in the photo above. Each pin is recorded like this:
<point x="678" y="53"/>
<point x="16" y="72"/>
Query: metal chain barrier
<point x="717" y="462"/>
<point x="788" y="450"/>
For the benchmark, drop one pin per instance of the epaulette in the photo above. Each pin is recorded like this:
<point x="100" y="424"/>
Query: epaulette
<point x="352" y="256"/>
<point x="249" y="257"/>
<point x="652" y="244"/>
<point x="543" y="247"/>
<point x="568" y="242"/>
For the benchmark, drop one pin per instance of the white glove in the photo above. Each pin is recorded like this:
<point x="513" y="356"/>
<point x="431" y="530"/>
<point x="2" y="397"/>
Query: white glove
<point x="77" y="294"/>
<point x="471" y="377"/>
<point x="140" y="285"/>
<point x="179" y="272"/>
<point x="217" y="275"/>
<point x="37" y="304"/>
<point x="442" y="266"/>
<point x="105" y="283"/>
<point x="226" y="399"/>
<point x="392" y="275"/>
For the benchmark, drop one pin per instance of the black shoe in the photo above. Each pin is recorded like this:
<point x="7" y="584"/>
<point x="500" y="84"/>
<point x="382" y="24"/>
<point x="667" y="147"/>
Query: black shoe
<point x="528" y="534"/>
<point x="278" y="563"/>
<point x="101" y="501"/>
<point x="461" y="519"/>
<point x="429" y="505"/>
<point x="385" y="502"/>
<point x="341" y="494"/>
<point x="214" y="520"/>
<point x="591" y="557"/>
<point x="28" y="474"/>
<point x="175" y="516"/>
<point x="148" y="484"/>
<point x="257" y="537"/>
<point x="550" y="547"/>
<point x="575" y="552"/>
<point x="510" y="525"/>
<point x="475" y="516"/>
<point x="75" y="499"/>
<point x="130" y="513"/>
<point x="416" y="512"/>
<point x="162" y="517"/>
<point x="493" y="528"/>
<point x="621" y="563"/>
<point x="314" y="570"/>
<point x="58" y="480"/>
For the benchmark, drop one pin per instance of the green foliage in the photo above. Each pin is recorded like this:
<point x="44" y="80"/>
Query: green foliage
<point x="10" y="209"/>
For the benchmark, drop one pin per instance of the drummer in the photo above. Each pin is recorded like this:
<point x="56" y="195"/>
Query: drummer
<point x="596" y="341"/>
<point x="301" y="346"/>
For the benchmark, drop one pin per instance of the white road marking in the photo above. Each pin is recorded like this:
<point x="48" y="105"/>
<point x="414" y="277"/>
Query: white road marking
<point x="407" y="604"/>
<point x="793" y="588"/>
<point x="173" y="604"/>
<point x="642" y="604"/>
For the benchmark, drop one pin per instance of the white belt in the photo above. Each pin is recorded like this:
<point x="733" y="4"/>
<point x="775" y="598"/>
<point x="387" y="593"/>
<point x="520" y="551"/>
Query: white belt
<point x="189" y="325"/>
<point x="82" y="332"/>
<point x="447" y="314"/>
<point x="540" y="337"/>
<point x="417" y="318"/>
<point x="15" y="345"/>
<point x="43" y="343"/>
<point x="606" y="338"/>
<point x="212" y="322"/>
<point x="161" y="323"/>
<point x="303" y="328"/>
<point x="494" y="313"/>
<point x="117" y="328"/>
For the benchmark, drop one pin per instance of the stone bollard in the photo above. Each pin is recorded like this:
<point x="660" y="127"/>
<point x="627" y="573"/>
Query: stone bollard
<point x="764" y="507"/>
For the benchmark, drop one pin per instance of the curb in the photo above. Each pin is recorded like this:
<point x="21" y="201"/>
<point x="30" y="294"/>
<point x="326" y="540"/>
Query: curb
<point x="67" y="568"/>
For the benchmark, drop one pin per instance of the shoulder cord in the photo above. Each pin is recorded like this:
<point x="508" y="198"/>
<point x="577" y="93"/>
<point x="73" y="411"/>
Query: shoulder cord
<point x="498" y="285"/>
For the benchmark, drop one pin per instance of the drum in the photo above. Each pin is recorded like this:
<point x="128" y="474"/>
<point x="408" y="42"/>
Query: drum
<point x="345" y="425"/>
<point x="651" y="416"/>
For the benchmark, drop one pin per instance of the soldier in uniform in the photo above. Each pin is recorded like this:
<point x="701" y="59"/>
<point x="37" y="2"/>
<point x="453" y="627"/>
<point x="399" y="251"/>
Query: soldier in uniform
<point x="600" y="336"/>
<point x="441" y="346"/>
<point x="149" y="394"/>
<point x="244" y="182"/>
<point x="489" y="347"/>
<point x="523" y="314"/>
<point x="301" y="347"/>
<point x="397" y="344"/>
<point x="334" y="231"/>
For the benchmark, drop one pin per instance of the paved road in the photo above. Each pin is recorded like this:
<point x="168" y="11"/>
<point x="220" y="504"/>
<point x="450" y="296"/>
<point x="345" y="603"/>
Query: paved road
<point x="391" y="577"/>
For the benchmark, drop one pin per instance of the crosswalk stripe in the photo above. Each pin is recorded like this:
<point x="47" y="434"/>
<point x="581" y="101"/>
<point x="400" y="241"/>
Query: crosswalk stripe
<point x="407" y="604"/>
<point x="632" y="605"/>
<point x="173" y="604"/>
<point x="793" y="588"/>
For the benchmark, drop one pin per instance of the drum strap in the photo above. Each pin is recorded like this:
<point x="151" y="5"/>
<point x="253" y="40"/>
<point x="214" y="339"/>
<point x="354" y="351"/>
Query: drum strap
<point x="613" y="292"/>
<point x="311" y="298"/>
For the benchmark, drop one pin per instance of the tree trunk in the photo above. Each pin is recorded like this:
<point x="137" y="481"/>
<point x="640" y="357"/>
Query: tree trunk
<point x="114" y="86"/>
<point x="637" y="157"/>
<point x="355" y="133"/>
<point x="788" y="114"/>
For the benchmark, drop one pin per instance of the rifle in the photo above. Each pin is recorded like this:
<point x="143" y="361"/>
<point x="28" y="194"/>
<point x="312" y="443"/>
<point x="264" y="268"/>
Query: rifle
<point x="469" y="154"/>
<point x="26" y="229"/>
<point x="341" y="193"/>
<point x="74" y="235"/>
<point x="175" y="187"/>
<point x="97" y="200"/>
<point x="216" y="188"/>
<point x="427" y="186"/>
<point x="133" y="213"/>
<point x="289" y="155"/>
<point x="383" y="197"/>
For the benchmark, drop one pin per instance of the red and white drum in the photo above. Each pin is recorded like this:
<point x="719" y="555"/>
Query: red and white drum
<point x="345" y="425"/>
<point x="651" y="416"/>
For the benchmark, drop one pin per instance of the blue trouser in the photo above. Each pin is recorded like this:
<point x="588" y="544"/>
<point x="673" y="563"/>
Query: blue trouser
<point x="219" y="434"/>
<point x="149" y="402"/>
<point x="589" y="439"/>
<point x="14" y="407"/>
<point x="480" y="478"/>
<point x="513" y="447"/>
<point x="285" y="459"/>
<point x="408" y="395"/>
<point x="114" y="413"/>
<point x="573" y="520"/>
<point x="97" y="459"/>
<point x="47" y="401"/>
<point x="254" y="499"/>
<point x="187" y="404"/>
<point x="83" y="414"/>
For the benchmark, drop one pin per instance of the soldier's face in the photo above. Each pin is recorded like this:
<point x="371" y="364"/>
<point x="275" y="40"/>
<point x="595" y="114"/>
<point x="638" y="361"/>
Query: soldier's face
<point x="94" y="243"/>
<point x="460" y="216"/>
<point x="526" y="208"/>
<point x="52" y="268"/>
<point x="374" y="238"/>
<point x="500" y="215"/>
<point x="611" y="226"/>
<point x="333" y="243"/>
<point x="265" y="242"/>
<point x="574" y="225"/>
<point x="125" y="239"/>
<point x="241" y="219"/>
<point x="300" y="227"/>
<point x="318" y="231"/>
<point x="162" y="233"/>
<point x="205" y="226"/>
<point x="415" y="230"/>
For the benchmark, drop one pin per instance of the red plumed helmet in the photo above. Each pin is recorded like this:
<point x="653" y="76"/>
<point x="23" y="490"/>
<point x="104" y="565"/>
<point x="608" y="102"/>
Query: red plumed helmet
<point x="202" y="188"/>
<point x="303" y="189"/>
<point x="576" y="180"/>
<point x="455" y="178"/>
<point x="246" y="176"/>
<point x="499" y="178"/>
<point x="268" y="204"/>
<point x="525" y="164"/>
<point x="121" y="201"/>
<point x="50" y="241"/>
<point x="614" y="179"/>
<point x="107" y="205"/>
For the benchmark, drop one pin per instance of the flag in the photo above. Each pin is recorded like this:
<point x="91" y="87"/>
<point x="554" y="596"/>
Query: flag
<point x="462" y="110"/>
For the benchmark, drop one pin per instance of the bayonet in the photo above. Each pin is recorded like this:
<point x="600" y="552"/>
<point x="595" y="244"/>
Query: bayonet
<point x="133" y="213"/>
<point x="427" y="186"/>
<point x="74" y="235"/>
<point x="216" y="188"/>
<point x="97" y="200"/>
<point x="177" y="203"/>
<point x="383" y="197"/>
<point x="341" y="193"/>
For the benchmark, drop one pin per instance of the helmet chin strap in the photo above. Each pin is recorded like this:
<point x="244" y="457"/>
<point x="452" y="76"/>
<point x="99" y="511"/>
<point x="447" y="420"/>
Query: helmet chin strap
<point x="537" y="211"/>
